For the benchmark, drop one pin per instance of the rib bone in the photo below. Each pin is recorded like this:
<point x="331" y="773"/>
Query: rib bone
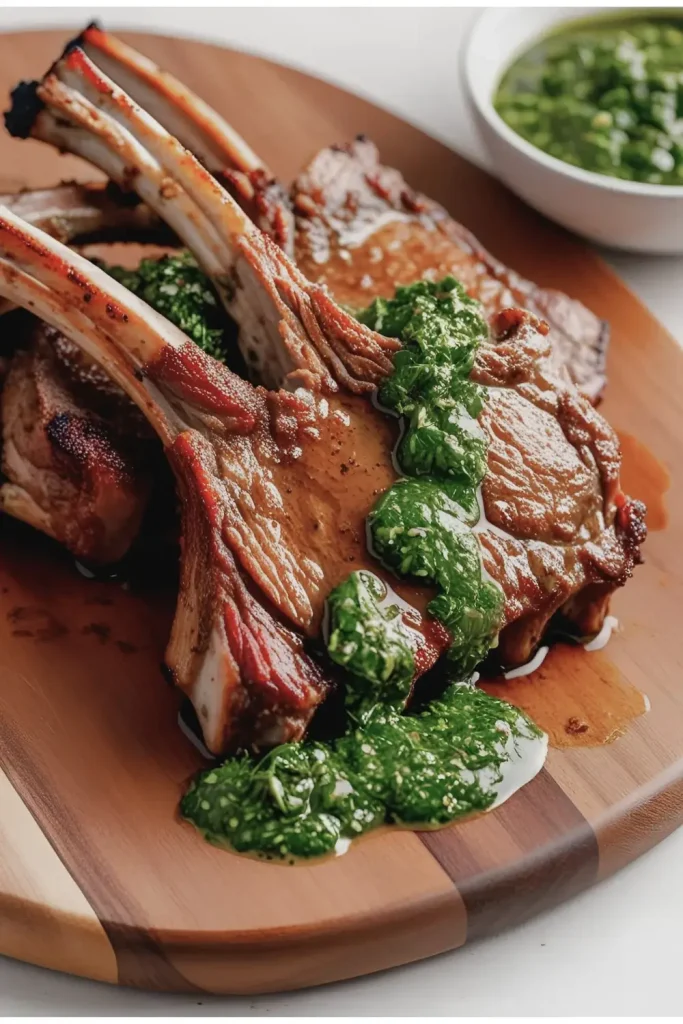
<point x="82" y="214"/>
<point x="271" y="301"/>
<point x="198" y="127"/>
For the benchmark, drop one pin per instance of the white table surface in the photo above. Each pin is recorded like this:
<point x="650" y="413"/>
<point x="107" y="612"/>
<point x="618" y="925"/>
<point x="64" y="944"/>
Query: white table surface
<point x="614" y="950"/>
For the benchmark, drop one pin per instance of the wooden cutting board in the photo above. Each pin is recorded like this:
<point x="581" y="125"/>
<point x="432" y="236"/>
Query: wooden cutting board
<point x="97" y="875"/>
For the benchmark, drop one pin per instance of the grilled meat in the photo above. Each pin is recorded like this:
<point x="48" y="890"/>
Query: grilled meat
<point x="362" y="231"/>
<point x="250" y="589"/>
<point x="72" y="472"/>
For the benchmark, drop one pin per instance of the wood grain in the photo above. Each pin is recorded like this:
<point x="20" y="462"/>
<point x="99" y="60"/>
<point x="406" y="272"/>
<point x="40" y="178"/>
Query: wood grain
<point x="45" y="917"/>
<point x="89" y="743"/>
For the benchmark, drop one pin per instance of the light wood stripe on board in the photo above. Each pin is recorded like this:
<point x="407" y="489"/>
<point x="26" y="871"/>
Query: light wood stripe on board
<point x="44" y="916"/>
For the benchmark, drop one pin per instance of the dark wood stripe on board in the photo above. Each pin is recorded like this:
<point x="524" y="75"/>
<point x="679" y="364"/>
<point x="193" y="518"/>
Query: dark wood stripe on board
<point x="527" y="856"/>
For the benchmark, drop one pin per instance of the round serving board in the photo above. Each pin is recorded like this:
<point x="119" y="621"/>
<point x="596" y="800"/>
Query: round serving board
<point x="99" y="877"/>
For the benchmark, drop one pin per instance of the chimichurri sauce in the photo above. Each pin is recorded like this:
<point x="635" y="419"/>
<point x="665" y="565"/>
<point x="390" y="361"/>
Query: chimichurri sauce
<point x="178" y="289"/>
<point x="464" y="751"/>
<point x="309" y="799"/>
<point x="422" y="526"/>
<point x="606" y="96"/>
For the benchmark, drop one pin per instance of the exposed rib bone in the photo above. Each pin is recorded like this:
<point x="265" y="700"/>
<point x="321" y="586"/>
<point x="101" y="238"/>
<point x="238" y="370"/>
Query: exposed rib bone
<point x="82" y="214"/>
<point x="262" y="290"/>
<point x="198" y="127"/>
<point x="52" y="306"/>
<point x="184" y="114"/>
<point x="346" y="200"/>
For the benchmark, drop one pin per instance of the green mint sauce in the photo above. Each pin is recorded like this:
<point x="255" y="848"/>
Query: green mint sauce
<point x="422" y="526"/>
<point x="604" y="94"/>
<point x="178" y="289"/>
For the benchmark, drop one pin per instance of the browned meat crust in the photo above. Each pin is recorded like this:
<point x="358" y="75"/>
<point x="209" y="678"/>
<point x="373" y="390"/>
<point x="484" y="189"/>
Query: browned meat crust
<point x="361" y="230"/>
<point x="560" y="534"/>
<point x="73" y="464"/>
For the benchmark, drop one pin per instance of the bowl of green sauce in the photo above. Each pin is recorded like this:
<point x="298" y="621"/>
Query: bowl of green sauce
<point x="583" y="117"/>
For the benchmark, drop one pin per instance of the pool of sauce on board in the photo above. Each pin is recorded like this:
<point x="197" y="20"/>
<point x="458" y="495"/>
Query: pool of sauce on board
<point x="578" y="697"/>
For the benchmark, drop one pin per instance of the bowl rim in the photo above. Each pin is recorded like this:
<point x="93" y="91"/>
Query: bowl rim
<point x="490" y="115"/>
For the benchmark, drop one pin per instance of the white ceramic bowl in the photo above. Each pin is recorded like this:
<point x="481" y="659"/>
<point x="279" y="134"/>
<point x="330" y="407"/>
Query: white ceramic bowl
<point x="625" y="214"/>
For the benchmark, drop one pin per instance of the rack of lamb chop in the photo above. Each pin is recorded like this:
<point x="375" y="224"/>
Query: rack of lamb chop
<point x="348" y="221"/>
<point x="271" y="522"/>
<point x="75" y="453"/>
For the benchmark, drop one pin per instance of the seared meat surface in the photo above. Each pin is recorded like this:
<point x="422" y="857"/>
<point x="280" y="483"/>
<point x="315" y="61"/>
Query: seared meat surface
<point x="74" y="454"/>
<point x="560" y="535"/>
<point x="362" y="231"/>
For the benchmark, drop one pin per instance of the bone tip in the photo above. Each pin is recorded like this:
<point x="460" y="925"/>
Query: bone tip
<point x="24" y="109"/>
<point x="79" y="41"/>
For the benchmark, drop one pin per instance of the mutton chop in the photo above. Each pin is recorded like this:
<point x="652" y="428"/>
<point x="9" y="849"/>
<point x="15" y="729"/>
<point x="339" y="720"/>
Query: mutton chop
<point x="350" y="222"/>
<point x="65" y="488"/>
<point x="558" y="532"/>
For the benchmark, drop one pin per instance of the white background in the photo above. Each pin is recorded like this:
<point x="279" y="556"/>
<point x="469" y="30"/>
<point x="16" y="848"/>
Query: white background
<point x="615" y="950"/>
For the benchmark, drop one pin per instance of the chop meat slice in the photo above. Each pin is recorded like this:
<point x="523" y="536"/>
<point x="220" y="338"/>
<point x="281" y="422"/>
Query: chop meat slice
<point x="350" y="222"/>
<point x="76" y="454"/>
<point x="71" y="471"/>
<point x="557" y="532"/>
<point x="362" y="231"/>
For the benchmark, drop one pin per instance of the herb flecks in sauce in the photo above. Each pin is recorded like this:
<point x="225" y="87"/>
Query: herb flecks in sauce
<point x="369" y="638"/>
<point x="308" y="799"/>
<point x="178" y="289"/>
<point x="606" y="96"/>
<point x="419" y="530"/>
<point x="464" y="751"/>
<point x="422" y="526"/>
